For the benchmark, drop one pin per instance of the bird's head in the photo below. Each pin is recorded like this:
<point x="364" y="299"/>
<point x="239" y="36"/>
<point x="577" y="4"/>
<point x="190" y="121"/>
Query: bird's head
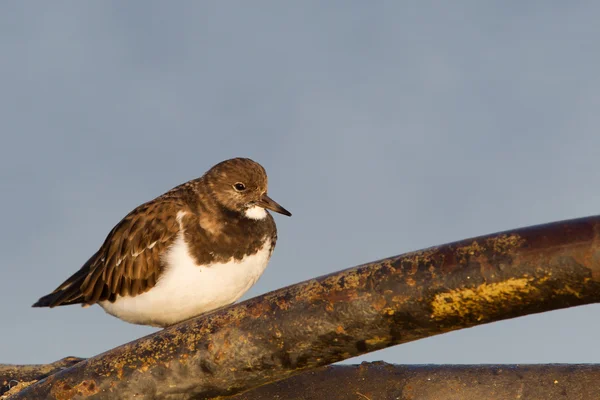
<point x="240" y="185"/>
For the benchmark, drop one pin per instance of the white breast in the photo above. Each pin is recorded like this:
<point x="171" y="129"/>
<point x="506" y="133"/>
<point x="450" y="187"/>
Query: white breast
<point x="186" y="289"/>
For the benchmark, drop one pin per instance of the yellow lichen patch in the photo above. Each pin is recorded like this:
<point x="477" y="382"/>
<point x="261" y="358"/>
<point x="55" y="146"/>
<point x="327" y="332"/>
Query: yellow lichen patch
<point x="377" y="340"/>
<point x="375" y="266"/>
<point x="501" y="244"/>
<point x="386" y="264"/>
<point x="352" y="281"/>
<point x="421" y="257"/>
<point x="472" y="249"/>
<point x="504" y="243"/>
<point x="476" y="301"/>
<point x="309" y="291"/>
<point x="568" y="290"/>
<point x="331" y="286"/>
<point x="349" y="280"/>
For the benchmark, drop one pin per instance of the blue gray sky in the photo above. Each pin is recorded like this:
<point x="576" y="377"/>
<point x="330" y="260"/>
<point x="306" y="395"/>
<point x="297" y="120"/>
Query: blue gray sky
<point x="385" y="127"/>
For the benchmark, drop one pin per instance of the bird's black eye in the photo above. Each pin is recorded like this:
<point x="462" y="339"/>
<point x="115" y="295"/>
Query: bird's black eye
<point x="240" y="187"/>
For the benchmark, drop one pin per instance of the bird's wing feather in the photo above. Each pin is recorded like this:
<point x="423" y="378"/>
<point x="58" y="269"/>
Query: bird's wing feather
<point x="129" y="261"/>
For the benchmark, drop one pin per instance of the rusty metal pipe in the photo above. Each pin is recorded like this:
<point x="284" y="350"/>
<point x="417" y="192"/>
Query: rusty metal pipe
<point x="346" y="314"/>
<point x="379" y="380"/>
<point x="11" y="374"/>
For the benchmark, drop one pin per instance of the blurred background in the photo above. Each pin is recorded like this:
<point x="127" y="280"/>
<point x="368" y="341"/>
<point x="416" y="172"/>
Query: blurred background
<point x="385" y="127"/>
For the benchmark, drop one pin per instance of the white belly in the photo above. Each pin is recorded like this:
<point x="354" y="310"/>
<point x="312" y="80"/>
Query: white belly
<point x="185" y="289"/>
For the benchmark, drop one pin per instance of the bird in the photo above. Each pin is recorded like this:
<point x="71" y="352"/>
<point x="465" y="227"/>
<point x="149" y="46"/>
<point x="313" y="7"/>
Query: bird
<point x="194" y="249"/>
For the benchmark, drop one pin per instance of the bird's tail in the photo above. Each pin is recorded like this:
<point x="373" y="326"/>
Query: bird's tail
<point x="60" y="298"/>
<point x="46" y="301"/>
<point x="68" y="292"/>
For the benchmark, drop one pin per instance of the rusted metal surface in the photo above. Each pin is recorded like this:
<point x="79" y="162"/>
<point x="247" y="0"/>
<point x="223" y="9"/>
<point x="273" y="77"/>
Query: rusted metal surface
<point x="345" y="314"/>
<point x="11" y="374"/>
<point x="380" y="380"/>
<point x="371" y="381"/>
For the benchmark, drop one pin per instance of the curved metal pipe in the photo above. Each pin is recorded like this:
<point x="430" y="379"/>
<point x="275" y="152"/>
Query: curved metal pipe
<point x="346" y="314"/>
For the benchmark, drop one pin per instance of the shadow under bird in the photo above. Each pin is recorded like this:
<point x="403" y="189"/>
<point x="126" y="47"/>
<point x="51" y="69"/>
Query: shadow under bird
<point x="198" y="247"/>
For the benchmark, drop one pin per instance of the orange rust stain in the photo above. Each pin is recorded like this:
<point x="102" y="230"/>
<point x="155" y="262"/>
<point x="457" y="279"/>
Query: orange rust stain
<point x="379" y="303"/>
<point x="351" y="280"/>
<point x="342" y="296"/>
<point x="432" y="271"/>
<point x="120" y="371"/>
<point x="388" y="265"/>
<point x="400" y="299"/>
<point x="130" y="356"/>
<point x="340" y="330"/>
<point x="310" y="291"/>
<point x="341" y="287"/>
<point x="410" y="281"/>
<point x="596" y="274"/>
<point x="282" y="304"/>
<point x="422" y="257"/>
<point x="63" y="391"/>
<point x="259" y="309"/>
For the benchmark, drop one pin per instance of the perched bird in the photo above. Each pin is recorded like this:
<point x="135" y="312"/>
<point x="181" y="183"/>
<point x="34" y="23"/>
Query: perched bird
<point x="198" y="247"/>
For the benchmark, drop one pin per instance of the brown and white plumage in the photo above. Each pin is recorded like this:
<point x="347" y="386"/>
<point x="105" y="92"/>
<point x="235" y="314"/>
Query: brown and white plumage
<point x="197" y="247"/>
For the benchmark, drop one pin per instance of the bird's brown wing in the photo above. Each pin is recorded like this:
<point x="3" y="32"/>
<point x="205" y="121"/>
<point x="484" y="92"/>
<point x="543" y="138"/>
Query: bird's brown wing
<point x="129" y="261"/>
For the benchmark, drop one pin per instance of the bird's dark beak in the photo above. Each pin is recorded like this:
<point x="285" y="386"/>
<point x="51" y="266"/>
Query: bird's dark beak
<point x="270" y="204"/>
